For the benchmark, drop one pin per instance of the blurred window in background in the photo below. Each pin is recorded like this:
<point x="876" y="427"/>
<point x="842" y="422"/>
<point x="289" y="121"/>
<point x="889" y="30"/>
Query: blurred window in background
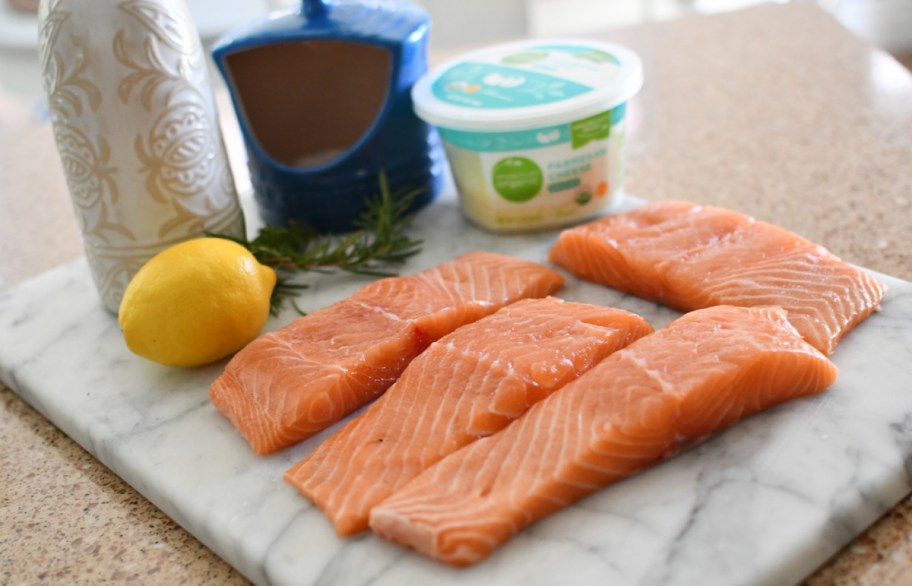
<point x="460" y="24"/>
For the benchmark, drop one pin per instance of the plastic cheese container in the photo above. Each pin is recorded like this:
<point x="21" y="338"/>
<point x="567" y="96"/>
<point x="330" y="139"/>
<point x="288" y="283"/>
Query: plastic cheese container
<point x="534" y="130"/>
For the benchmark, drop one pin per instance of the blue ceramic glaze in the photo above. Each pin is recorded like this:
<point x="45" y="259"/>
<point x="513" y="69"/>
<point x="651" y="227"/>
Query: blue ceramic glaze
<point x="330" y="195"/>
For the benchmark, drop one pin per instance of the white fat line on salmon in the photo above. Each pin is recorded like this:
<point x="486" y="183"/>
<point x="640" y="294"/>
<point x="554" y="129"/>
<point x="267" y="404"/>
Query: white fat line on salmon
<point x="380" y="311"/>
<point x="654" y="374"/>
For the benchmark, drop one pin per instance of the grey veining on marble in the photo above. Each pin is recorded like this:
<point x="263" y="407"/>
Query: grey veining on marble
<point x="765" y="502"/>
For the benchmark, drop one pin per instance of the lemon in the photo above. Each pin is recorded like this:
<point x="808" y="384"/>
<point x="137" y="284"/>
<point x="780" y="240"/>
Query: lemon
<point x="196" y="302"/>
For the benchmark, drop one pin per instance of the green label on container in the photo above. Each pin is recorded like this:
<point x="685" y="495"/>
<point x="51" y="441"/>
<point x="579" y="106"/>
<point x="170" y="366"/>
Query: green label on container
<point x="516" y="140"/>
<point x="563" y="185"/>
<point x="578" y="133"/>
<point x="596" y="127"/>
<point x="517" y="179"/>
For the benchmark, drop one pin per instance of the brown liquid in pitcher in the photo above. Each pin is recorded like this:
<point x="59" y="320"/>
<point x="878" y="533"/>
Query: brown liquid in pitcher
<point x="308" y="102"/>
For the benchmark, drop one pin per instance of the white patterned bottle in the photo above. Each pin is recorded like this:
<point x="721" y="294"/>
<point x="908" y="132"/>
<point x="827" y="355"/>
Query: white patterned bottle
<point x="135" y="124"/>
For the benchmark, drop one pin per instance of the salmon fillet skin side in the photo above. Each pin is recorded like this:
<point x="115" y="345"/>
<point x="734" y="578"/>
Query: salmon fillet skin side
<point x="690" y="257"/>
<point x="289" y="384"/>
<point x="470" y="383"/>
<point x="701" y="374"/>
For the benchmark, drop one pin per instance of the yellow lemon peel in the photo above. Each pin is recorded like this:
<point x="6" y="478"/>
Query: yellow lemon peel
<point x="196" y="302"/>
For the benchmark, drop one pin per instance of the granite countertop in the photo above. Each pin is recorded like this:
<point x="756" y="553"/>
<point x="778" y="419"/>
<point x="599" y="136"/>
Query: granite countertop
<point x="775" y="111"/>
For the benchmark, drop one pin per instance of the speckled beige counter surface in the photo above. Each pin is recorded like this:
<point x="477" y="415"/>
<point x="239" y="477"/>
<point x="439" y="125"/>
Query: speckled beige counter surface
<point x="775" y="111"/>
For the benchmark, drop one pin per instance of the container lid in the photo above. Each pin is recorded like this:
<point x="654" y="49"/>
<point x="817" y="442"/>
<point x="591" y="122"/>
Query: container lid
<point x="528" y="84"/>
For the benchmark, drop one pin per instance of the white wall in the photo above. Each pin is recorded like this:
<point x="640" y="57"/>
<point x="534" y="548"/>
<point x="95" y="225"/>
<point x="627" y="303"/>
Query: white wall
<point x="459" y="23"/>
<point x="885" y="23"/>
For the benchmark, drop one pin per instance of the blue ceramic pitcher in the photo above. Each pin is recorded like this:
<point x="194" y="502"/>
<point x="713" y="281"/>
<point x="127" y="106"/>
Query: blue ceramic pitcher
<point x="322" y="94"/>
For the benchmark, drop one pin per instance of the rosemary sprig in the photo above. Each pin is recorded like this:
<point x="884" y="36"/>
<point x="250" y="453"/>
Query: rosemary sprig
<point x="380" y="239"/>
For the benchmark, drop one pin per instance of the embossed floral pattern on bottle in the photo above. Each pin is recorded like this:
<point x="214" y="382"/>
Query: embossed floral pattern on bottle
<point x="135" y="124"/>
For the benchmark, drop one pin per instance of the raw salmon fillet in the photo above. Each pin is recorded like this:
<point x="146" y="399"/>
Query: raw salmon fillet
<point x="702" y="373"/>
<point x="469" y="384"/>
<point x="290" y="384"/>
<point x="691" y="257"/>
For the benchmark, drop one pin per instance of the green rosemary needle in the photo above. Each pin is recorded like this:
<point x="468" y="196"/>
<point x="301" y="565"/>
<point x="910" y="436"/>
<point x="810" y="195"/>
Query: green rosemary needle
<point x="380" y="239"/>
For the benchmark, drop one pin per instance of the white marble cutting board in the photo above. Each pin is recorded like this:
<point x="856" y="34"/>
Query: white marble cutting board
<point x="765" y="502"/>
